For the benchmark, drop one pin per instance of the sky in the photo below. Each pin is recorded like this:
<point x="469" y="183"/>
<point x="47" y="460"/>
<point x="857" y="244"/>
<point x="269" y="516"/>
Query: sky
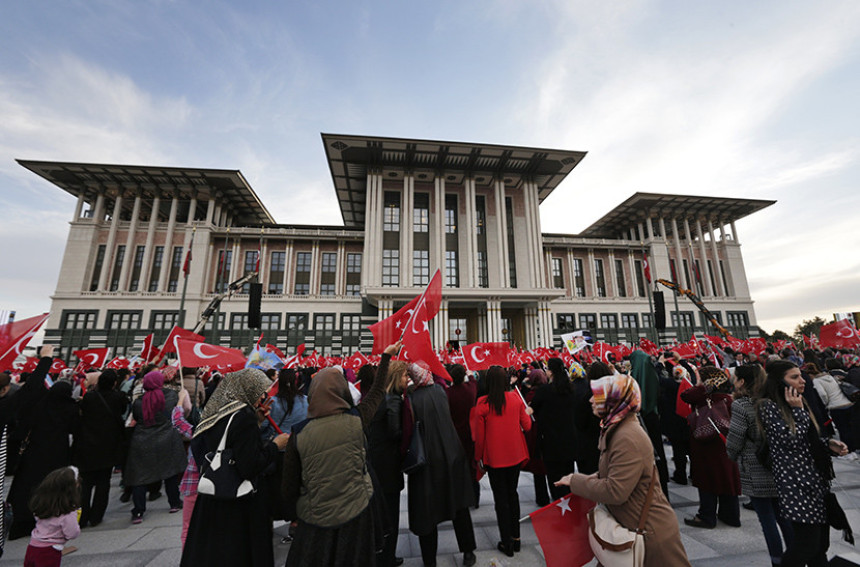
<point x="734" y="99"/>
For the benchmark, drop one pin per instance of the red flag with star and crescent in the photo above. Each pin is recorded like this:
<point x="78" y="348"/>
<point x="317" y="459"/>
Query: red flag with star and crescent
<point x="562" y="531"/>
<point x="417" y="345"/>
<point x="479" y="356"/>
<point x="646" y="267"/>
<point x="840" y="334"/>
<point x="389" y="330"/>
<point x="15" y="336"/>
<point x="91" y="357"/>
<point x="195" y="353"/>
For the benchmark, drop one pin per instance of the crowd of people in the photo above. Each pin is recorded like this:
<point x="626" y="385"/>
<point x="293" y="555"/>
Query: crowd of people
<point x="330" y="451"/>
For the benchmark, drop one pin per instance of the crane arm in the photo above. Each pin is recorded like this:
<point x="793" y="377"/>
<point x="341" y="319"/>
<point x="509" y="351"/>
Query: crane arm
<point x="698" y="303"/>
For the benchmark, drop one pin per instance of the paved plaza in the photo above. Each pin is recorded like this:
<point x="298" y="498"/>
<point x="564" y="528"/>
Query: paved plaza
<point x="155" y="542"/>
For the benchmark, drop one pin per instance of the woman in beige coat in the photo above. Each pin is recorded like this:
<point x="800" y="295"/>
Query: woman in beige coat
<point x="626" y="470"/>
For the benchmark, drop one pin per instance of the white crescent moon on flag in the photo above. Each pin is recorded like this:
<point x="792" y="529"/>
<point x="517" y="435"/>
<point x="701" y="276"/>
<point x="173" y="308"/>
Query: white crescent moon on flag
<point x="198" y="351"/>
<point x="417" y="307"/>
<point x="848" y="336"/>
<point x="475" y="355"/>
<point x="94" y="360"/>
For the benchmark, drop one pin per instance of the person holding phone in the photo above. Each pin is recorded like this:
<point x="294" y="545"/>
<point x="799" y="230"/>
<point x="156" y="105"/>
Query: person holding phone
<point x="802" y="466"/>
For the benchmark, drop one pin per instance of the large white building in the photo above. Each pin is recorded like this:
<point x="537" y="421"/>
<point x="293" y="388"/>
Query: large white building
<point x="409" y="207"/>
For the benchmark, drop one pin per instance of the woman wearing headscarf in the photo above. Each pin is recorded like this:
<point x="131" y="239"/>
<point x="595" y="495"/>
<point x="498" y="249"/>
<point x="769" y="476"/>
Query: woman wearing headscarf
<point x="672" y="425"/>
<point x="238" y="531"/>
<point x="626" y="471"/>
<point x="645" y="375"/>
<point x="743" y="442"/>
<point x="97" y="444"/>
<point x="156" y="452"/>
<point x="326" y="473"/>
<point x="535" y="380"/>
<point x="498" y="420"/>
<point x="442" y="489"/>
<point x="712" y="472"/>
<point x="554" y="408"/>
<point x="46" y="425"/>
<point x="802" y="467"/>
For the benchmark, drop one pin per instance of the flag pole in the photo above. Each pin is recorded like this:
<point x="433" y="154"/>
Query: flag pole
<point x="648" y="293"/>
<point x="216" y="327"/>
<point x="186" y="267"/>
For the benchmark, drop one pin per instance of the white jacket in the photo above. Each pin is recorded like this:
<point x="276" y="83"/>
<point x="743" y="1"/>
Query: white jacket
<point x="831" y="394"/>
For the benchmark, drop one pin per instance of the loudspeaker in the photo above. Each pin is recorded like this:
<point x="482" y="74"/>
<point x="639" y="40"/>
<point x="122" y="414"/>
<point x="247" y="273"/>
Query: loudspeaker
<point x="659" y="311"/>
<point x="255" y="296"/>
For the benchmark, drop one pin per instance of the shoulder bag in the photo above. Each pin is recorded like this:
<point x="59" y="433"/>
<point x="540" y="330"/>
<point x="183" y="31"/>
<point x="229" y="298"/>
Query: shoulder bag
<point x="704" y="418"/>
<point x="851" y="391"/>
<point x="614" y="545"/>
<point x="415" y="457"/>
<point x="218" y="474"/>
<point x="194" y="416"/>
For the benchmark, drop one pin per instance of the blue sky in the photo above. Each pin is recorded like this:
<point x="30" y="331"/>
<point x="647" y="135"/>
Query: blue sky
<point x="738" y="99"/>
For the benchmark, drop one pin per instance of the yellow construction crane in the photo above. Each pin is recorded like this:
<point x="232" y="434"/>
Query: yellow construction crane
<point x="698" y="303"/>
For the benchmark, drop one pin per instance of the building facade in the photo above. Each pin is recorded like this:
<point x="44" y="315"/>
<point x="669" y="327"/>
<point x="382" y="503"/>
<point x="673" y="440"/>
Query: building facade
<point x="409" y="207"/>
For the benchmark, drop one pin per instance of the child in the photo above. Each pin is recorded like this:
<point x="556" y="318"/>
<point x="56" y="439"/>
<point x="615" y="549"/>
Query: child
<point x="55" y="504"/>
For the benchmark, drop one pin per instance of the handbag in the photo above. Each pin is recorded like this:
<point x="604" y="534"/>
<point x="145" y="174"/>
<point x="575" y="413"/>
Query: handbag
<point x="194" y="416"/>
<point x="614" y="545"/>
<point x="851" y="391"/>
<point x="415" y="458"/>
<point x="703" y="419"/>
<point x="218" y="474"/>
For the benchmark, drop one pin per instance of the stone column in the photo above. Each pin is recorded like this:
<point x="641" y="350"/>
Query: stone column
<point x="483" y="332"/>
<point x="734" y="233"/>
<point x="613" y="279"/>
<point x="634" y="279"/>
<point x="437" y="240"/>
<point x="718" y="274"/>
<point x="146" y="269"/>
<point x="650" y="226"/>
<point x="469" y="252"/>
<point x="340" y="270"/>
<point x="167" y="257"/>
<point x="679" y="258"/>
<point x="371" y="221"/>
<point x="706" y="280"/>
<point x="289" y="268"/>
<point x="79" y="206"/>
<point x="210" y="211"/>
<point x="264" y="270"/>
<point x="237" y="267"/>
<point x="502" y="233"/>
<point x="315" y="268"/>
<point x="99" y="211"/>
<point x="129" y="245"/>
<point x="591" y="273"/>
<point x="406" y="235"/>
<point x="192" y="210"/>
<point x="663" y="228"/>
<point x="107" y="265"/>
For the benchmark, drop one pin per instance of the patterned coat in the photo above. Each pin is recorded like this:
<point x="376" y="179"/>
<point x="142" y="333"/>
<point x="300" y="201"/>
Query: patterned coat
<point x="801" y="488"/>
<point x="744" y="437"/>
<point x="710" y="468"/>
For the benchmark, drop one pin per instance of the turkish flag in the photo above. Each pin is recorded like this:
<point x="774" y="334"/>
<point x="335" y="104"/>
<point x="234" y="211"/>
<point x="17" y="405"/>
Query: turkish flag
<point x="647" y="268"/>
<point x="57" y="366"/>
<point x="479" y="356"/>
<point x="149" y="351"/>
<point x="716" y="341"/>
<point x="648" y="346"/>
<point x="312" y="361"/>
<point x="389" y="330"/>
<point x="119" y="362"/>
<point x="682" y="408"/>
<point x="30" y="364"/>
<point x="91" y="357"/>
<point x="15" y="336"/>
<point x="840" y="334"/>
<point x="294" y="360"/>
<point x="562" y="531"/>
<point x="178" y="332"/>
<point x="356" y="361"/>
<point x="196" y="353"/>
<point x="416" y="338"/>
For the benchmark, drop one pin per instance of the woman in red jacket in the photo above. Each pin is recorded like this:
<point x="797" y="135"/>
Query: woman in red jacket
<point x="498" y="421"/>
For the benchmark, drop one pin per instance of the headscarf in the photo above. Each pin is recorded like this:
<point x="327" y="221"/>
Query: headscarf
<point x="715" y="379"/>
<point x="850" y="360"/>
<point x="679" y="373"/>
<point x="329" y="394"/>
<point x="537" y="377"/>
<point x="576" y="371"/>
<point x="615" y="396"/>
<point x="67" y="374"/>
<point x="643" y="372"/>
<point x="153" y="397"/>
<point x="420" y="375"/>
<point x="235" y="391"/>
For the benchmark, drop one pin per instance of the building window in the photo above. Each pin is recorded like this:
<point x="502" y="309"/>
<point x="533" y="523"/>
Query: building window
<point x="686" y="319"/>
<point x="329" y="262"/>
<point x="117" y="267"/>
<point x="97" y="269"/>
<point x="277" y="268"/>
<point x="738" y="318"/>
<point x="327" y="289"/>
<point x="134" y="284"/>
<point x="629" y="320"/>
<point x="480" y="215"/>
<point x="450" y="214"/>
<point x="452" y="278"/>
<point x="303" y="289"/>
<point x="163" y="320"/>
<point x="353" y="289"/>
<point x="350" y="323"/>
<point x="566" y="322"/>
<point x="647" y="320"/>
<point x="297" y="321"/>
<point x="726" y="290"/>
<point x="483" y="270"/>
<point x="711" y="276"/>
<point x="700" y="285"/>
<point x="123" y="320"/>
<point x="175" y="265"/>
<point x="512" y="256"/>
<point x="608" y="321"/>
<point x="239" y="321"/>
<point x="619" y="278"/>
<point x="420" y="267"/>
<point x="391" y="212"/>
<point x="587" y="321"/>
<point x="421" y="213"/>
<point x="79" y="319"/>
<point x="578" y="278"/>
<point x="270" y="321"/>
<point x="600" y="277"/>
<point x="225" y="264"/>
<point x="324" y="322"/>
<point x="557" y="274"/>
<point x="640" y="278"/>
<point x="303" y="262"/>
<point x="687" y="278"/>
<point x="210" y="322"/>
<point x="391" y="268"/>
<point x="353" y="263"/>
<point x="251" y="265"/>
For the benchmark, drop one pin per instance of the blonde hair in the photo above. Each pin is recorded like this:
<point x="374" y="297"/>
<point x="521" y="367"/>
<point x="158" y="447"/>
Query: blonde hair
<point x="395" y="370"/>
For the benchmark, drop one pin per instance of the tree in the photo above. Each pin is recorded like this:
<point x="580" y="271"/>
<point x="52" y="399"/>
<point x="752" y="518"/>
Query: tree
<point x="808" y="328"/>
<point x="777" y="335"/>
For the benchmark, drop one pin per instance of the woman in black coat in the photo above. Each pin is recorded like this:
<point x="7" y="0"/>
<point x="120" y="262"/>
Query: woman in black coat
<point x="587" y="424"/>
<point x="554" y="405"/>
<point x="97" y="444"/>
<point x="50" y="423"/>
